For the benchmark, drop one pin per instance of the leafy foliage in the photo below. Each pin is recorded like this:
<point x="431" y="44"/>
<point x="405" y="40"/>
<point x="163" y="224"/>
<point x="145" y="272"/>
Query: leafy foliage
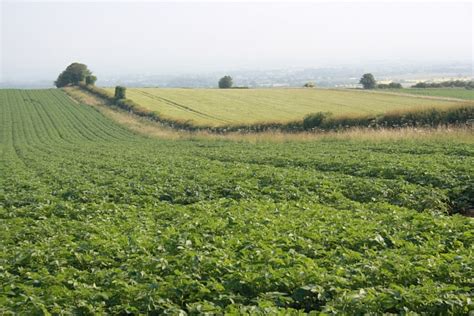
<point x="368" y="81"/>
<point x="91" y="79"/>
<point x="225" y="82"/>
<point x="445" y="84"/>
<point x="391" y="85"/>
<point x="97" y="220"/>
<point x="314" y="119"/>
<point x="73" y="75"/>
<point x="120" y="92"/>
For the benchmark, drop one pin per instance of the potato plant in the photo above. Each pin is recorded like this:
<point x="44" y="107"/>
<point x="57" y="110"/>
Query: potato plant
<point x="95" y="219"/>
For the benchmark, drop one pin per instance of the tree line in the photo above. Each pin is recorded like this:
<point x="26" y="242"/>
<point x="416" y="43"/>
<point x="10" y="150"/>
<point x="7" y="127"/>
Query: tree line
<point x="445" y="84"/>
<point x="77" y="73"/>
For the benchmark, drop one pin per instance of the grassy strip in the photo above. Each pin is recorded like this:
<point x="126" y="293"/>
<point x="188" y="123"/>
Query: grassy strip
<point x="458" y="115"/>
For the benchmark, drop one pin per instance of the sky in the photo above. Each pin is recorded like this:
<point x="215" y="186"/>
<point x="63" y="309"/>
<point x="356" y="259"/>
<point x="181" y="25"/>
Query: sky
<point x="39" y="39"/>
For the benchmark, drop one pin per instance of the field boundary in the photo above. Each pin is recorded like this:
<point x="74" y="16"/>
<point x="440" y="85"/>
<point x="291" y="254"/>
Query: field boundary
<point x="152" y="128"/>
<point x="459" y="115"/>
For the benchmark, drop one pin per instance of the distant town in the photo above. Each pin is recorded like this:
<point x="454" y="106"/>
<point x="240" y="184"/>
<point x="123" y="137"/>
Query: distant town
<point x="328" y="77"/>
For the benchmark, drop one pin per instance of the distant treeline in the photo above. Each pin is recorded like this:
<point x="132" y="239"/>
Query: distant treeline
<point x="391" y="85"/>
<point x="434" y="117"/>
<point x="446" y="84"/>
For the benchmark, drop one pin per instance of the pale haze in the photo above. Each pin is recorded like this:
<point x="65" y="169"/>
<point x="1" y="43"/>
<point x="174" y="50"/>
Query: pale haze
<point x="40" y="39"/>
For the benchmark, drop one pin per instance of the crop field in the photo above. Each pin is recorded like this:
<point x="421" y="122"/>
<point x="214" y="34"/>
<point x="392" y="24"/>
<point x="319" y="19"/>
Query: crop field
<point x="218" y="107"/>
<point x="95" y="219"/>
<point x="458" y="93"/>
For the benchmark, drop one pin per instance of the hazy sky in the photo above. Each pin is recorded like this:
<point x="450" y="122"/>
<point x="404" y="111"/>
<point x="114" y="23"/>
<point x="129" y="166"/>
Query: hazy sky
<point x="39" y="39"/>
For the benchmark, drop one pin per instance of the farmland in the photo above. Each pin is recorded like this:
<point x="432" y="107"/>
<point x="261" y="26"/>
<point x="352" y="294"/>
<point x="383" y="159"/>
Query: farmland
<point x="219" y="107"/>
<point x="458" y="93"/>
<point x="96" y="219"/>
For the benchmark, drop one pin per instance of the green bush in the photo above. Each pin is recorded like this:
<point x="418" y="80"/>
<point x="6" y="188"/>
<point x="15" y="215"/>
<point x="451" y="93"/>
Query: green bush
<point x="99" y="92"/>
<point x="391" y="85"/>
<point x="90" y="80"/>
<point x="125" y="104"/>
<point x="395" y="85"/>
<point x="120" y="92"/>
<point x="315" y="119"/>
<point x="428" y="117"/>
<point x="348" y="122"/>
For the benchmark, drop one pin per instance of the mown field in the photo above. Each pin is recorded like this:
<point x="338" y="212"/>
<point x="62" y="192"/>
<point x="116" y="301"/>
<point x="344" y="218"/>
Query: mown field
<point x="458" y="93"/>
<point x="218" y="107"/>
<point x="95" y="219"/>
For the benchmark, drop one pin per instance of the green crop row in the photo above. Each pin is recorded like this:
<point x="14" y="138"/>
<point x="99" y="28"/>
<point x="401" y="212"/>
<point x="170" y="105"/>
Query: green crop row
<point x="95" y="219"/>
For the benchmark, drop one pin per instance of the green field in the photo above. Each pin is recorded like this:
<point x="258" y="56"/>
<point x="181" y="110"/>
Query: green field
<point x="458" y="93"/>
<point x="243" y="106"/>
<point x="95" y="219"/>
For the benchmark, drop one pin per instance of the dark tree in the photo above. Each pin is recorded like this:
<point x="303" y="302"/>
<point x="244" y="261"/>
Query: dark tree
<point x="120" y="92"/>
<point x="225" y="82"/>
<point x="73" y="75"/>
<point x="391" y="85"/>
<point x="420" y="85"/>
<point x="309" y="84"/>
<point x="90" y="80"/>
<point x="368" y="81"/>
<point x="63" y="80"/>
<point x="395" y="85"/>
